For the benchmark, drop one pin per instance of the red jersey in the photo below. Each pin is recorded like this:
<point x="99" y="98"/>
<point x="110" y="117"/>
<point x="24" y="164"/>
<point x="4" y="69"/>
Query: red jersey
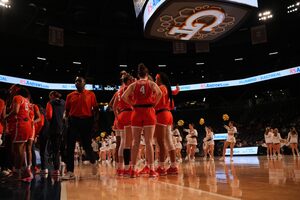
<point x="24" y="111"/>
<point x="142" y="94"/>
<point x="164" y="102"/>
<point x="121" y="104"/>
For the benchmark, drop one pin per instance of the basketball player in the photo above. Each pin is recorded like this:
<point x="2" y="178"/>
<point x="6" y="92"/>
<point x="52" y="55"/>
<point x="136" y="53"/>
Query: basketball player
<point x="143" y="95"/>
<point x="123" y="113"/>
<point x="20" y="127"/>
<point x="164" y="121"/>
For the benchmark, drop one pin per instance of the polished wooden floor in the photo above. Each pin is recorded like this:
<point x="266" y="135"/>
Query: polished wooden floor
<point x="245" y="178"/>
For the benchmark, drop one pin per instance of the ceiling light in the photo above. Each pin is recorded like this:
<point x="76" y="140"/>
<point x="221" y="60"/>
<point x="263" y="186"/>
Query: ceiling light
<point x="238" y="59"/>
<point x="123" y="65"/>
<point x="40" y="58"/>
<point x="273" y="53"/>
<point x="201" y="63"/>
<point x="162" y="65"/>
<point x="77" y="63"/>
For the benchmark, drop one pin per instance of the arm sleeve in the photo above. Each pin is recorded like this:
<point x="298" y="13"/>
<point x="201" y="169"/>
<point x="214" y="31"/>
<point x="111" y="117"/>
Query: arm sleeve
<point x="186" y="130"/>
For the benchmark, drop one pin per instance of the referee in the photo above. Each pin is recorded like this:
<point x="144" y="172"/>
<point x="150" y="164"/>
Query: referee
<point x="82" y="112"/>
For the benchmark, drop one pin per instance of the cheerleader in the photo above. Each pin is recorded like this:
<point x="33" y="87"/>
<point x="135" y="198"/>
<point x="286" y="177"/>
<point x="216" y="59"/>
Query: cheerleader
<point x="103" y="151"/>
<point x="269" y="143"/>
<point x="231" y="130"/>
<point x="276" y="139"/>
<point x="142" y="156"/>
<point x="177" y="141"/>
<point x="293" y="141"/>
<point x="113" y="145"/>
<point x="209" y="141"/>
<point x="191" y="142"/>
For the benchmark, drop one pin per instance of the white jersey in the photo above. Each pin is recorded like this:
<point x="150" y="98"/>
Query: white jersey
<point x="192" y="136"/>
<point x="292" y="139"/>
<point x="268" y="138"/>
<point x="276" y="139"/>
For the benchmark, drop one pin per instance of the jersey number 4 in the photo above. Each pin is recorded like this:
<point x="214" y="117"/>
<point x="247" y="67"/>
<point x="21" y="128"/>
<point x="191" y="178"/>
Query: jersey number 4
<point x="142" y="89"/>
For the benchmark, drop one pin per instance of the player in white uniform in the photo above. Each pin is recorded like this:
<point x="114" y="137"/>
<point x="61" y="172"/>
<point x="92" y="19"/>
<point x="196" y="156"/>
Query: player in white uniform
<point x="276" y="139"/>
<point x="231" y="130"/>
<point x="177" y="142"/>
<point x="209" y="143"/>
<point x="293" y="141"/>
<point x="191" y="142"/>
<point x="269" y="142"/>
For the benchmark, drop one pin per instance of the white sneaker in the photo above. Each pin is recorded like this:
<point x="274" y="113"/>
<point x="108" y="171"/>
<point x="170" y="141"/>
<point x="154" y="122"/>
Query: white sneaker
<point x="186" y="158"/>
<point x="231" y="159"/>
<point x="180" y="160"/>
<point x="268" y="157"/>
<point x="69" y="176"/>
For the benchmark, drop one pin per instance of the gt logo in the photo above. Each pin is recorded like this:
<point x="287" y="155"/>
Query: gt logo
<point x="190" y="27"/>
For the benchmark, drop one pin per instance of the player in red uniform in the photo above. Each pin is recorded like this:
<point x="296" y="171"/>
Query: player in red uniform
<point x="123" y="112"/>
<point x="115" y="128"/>
<point x="163" y="125"/>
<point x="143" y="95"/>
<point x="20" y="127"/>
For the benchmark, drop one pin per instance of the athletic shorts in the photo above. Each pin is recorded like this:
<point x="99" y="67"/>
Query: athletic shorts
<point x="21" y="132"/>
<point x="116" y="125"/>
<point x="124" y="119"/>
<point x="164" y="118"/>
<point x="143" y="117"/>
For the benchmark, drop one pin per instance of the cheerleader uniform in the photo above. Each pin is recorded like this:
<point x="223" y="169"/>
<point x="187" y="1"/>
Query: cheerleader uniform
<point x="191" y="137"/>
<point x="230" y="136"/>
<point x="293" y="139"/>
<point x="113" y="144"/>
<point x="268" y="138"/>
<point x="276" y="139"/>
<point x="177" y="139"/>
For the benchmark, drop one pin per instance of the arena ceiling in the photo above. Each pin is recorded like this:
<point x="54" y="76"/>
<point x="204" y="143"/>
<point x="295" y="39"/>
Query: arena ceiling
<point x="102" y="35"/>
